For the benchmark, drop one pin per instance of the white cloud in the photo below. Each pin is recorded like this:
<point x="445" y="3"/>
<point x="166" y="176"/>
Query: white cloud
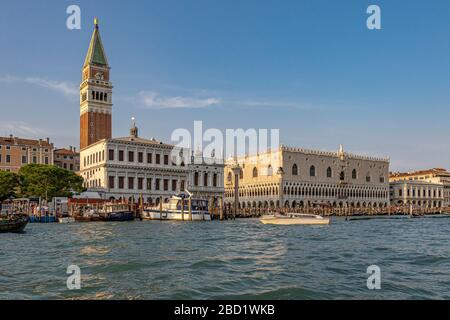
<point x="63" y="87"/>
<point x="256" y="103"/>
<point x="153" y="100"/>
<point x="66" y="88"/>
<point x="20" y="128"/>
<point x="8" y="79"/>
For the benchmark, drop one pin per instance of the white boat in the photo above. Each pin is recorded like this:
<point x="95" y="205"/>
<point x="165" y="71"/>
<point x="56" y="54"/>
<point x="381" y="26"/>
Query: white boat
<point x="66" y="219"/>
<point x="295" y="219"/>
<point x="173" y="210"/>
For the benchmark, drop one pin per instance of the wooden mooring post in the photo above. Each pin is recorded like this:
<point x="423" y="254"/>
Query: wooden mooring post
<point x="220" y="208"/>
<point x="182" y="209"/>
<point x="190" y="208"/>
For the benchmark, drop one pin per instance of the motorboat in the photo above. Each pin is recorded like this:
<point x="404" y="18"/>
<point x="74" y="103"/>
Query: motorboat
<point x="66" y="219"/>
<point x="13" y="223"/>
<point x="295" y="219"/>
<point x="117" y="212"/>
<point x="89" y="215"/>
<point x="177" y="208"/>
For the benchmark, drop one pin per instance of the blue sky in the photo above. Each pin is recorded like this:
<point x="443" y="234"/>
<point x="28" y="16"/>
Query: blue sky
<point x="310" y="68"/>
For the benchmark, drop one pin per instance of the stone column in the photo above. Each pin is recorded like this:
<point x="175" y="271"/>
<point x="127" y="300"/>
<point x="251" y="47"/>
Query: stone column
<point x="236" y="171"/>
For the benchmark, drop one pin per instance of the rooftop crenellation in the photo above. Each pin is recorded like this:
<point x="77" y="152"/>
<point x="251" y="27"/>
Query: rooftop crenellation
<point x="332" y="154"/>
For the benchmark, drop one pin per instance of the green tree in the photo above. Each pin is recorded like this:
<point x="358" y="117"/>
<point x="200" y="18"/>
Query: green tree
<point x="9" y="182"/>
<point x="48" y="181"/>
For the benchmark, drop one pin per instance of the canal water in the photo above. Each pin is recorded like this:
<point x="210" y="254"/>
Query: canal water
<point x="240" y="259"/>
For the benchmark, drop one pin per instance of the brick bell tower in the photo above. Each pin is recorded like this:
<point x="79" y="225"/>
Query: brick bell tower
<point x="95" y="94"/>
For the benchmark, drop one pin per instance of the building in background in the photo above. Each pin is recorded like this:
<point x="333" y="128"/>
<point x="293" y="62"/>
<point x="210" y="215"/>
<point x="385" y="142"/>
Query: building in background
<point x="299" y="178"/>
<point x="17" y="152"/>
<point x="68" y="159"/>
<point x="130" y="167"/>
<point x="205" y="177"/>
<point x="421" y="189"/>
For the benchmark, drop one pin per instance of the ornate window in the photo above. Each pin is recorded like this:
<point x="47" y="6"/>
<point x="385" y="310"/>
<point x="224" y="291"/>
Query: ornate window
<point x="368" y="177"/>
<point x="196" y="179"/>
<point x="294" y="170"/>
<point x="342" y="176"/>
<point x="230" y="177"/>
<point x="269" y="170"/>
<point x="354" y="174"/>
<point x="255" y="172"/>
<point x="329" y="172"/>
<point x="312" y="171"/>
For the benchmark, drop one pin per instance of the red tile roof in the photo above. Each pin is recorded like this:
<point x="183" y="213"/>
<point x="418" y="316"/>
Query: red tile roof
<point x="64" y="151"/>
<point x="24" y="142"/>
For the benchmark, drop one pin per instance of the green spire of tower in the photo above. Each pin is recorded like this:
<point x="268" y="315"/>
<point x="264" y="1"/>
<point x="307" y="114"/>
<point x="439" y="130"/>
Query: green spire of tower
<point x="96" y="53"/>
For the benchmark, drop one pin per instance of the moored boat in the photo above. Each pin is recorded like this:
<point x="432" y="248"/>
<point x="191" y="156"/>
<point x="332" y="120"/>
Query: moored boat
<point x="66" y="219"/>
<point x="432" y="216"/>
<point x="88" y="216"/>
<point x="117" y="212"/>
<point x="178" y="209"/>
<point x="376" y="217"/>
<point x="45" y="218"/>
<point x="295" y="219"/>
<point x="12" y="223"/>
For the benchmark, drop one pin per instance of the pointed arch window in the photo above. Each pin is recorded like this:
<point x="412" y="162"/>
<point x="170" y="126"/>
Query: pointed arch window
<point x="354" y="174"/>
<point x="255" y="172"/>
<point x="230" y="177"/>
<point x="368" y="178"/>
<point x="312" y="171"/>
<point x="269" y="170"/>
<point x="342" y="176"/>
<point x="329" y="172"/>
<point x="295" y="170"/>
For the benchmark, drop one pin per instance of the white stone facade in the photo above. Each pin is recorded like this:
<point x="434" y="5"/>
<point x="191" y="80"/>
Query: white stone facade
<point x="418" y="194"/>
<point x="424" y="189"/>
<point x="293" y="177"/>
<point x="126" y="168"/>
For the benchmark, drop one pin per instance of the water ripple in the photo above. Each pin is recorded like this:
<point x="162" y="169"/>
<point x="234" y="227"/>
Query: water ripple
<point x="240" y="259"/>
